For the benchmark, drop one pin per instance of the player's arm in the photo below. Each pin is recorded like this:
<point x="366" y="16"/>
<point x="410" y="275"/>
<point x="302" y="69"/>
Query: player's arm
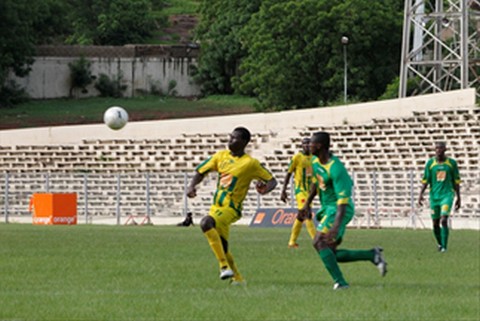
<point x="264" y="188"/>
<point x="422" y="190"/>
<point x="425" y="180"/>
<point x="191" y="190"/>
<point x="283" y="195"/>
<point x="458" y="202"/>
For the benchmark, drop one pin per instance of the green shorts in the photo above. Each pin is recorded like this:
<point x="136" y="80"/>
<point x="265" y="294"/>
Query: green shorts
<point x="441" y="207"/>
<point x="328" y="215"/>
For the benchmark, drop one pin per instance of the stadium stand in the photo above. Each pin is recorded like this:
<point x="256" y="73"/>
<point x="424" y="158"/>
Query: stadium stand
<point x="386" y="156"/>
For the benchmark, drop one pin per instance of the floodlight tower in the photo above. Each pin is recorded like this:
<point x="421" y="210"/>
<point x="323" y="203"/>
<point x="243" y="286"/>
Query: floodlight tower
<point x="440" y="46"/>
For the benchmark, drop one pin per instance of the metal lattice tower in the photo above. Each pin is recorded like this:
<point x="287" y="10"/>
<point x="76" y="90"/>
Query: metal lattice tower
<point x="440" y="46"/>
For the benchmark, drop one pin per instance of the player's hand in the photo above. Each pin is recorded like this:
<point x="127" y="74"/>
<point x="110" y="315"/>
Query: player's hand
<point x="191" y="192"/>
<point x="420" y="200"/>
<point x="458" y="204"/>
<point x="284" y="196"/>
<point x="261" y="187"/>
<point x="331" y="237"/>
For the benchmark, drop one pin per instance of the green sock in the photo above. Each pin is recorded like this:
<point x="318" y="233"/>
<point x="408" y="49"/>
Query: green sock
<point x="354" y="255"/>
<point x="436" y="232"/>
<point x="330" y="262"/>
<point x="444" y="233"/>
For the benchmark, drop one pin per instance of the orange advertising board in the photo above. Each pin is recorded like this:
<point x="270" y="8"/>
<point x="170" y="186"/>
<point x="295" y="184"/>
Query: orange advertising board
<point x="54" y="208"/>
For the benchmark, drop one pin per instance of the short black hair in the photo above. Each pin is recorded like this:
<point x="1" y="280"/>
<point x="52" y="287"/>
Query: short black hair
<point x="322" y="138"/>
<point x="441" y="144"/>
<point x="244" y="132"/>
<point x="306" y="140"/>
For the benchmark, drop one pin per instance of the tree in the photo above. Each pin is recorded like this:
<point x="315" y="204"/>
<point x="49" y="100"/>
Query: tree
<point x="111" y="22"/>
<point x="294" y="54"/>
<point x="16" y="43"/>
<point x="221" y="51"/>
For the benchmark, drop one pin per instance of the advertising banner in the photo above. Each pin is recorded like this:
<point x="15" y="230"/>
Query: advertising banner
<point x="276" y="217"/>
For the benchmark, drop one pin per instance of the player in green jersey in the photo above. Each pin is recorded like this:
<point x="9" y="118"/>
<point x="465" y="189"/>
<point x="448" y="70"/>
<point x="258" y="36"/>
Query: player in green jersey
<point x="334" y="187"/>
<point x="441" y="173"/>
<point x="301" y="168"/>
<point x="236" y="170"/>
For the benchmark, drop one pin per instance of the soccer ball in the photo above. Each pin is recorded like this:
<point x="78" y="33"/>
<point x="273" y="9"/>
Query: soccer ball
<point x="115" y="117"/>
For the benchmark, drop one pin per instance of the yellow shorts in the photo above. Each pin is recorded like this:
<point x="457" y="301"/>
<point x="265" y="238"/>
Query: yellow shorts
<point x="224" y="217"/>
<point x="301" y="198"/>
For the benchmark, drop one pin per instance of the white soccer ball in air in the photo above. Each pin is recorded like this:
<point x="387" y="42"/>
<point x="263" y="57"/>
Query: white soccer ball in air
<point x="115" y="117"/>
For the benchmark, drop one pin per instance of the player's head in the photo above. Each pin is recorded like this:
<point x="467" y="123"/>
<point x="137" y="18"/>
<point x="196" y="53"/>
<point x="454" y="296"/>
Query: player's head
<point x="306" y="145"/>
<point x="440" y="148"/>
<point x="319" y="141"/>
<point x="239" y="138"/>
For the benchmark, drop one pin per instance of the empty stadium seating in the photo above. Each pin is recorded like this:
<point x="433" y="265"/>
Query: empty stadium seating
<point x="386" y="157"/>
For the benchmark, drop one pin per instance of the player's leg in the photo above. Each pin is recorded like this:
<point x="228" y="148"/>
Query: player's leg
<point x="445" y="209"/>
<point x="294" y="233"/>
<point x="215" y="227"/>
<point x="326" y="252"/>
<point x="374" y="255"/>
<point x="435" y="214"/>
<point x="297" y="224"/>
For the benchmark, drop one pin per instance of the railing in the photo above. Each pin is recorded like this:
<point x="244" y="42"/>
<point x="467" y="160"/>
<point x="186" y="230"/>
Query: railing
<point x="381" y="198"/>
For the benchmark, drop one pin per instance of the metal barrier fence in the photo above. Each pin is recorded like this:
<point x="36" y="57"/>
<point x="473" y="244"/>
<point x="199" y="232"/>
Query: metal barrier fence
<point x="381" y="198"/>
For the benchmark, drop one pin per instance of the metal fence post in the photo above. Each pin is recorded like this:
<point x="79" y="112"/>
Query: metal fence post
<point x="6" y="197"/>
<point x="412" y="214"/>
<point x="47" y="183"/>
<point x="118" y="200"/>
<point x="292" y="192"/>
<point x="185" y="199"/>
<point x="375" y="197"/>
<point x="147" y="195"/>
<point x="85" y="196"/>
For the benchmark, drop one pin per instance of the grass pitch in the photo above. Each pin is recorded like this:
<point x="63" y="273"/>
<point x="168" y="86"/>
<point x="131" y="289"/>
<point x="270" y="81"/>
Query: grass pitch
<point x="169" y="273"/>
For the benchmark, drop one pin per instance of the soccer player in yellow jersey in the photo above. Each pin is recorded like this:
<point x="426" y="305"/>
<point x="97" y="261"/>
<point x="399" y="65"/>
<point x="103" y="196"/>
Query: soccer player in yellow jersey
<point x="441" y="173"/>
<point x="301" y="168"/>
<point x="236" y="170"/>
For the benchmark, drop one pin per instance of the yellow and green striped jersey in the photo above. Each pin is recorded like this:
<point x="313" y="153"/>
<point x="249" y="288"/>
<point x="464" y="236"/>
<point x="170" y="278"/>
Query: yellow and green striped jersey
<point x="301" y="167"/>
<point x="442" y="177"/>
<point x="234" y="177"/>
<point x="333" y="182"/>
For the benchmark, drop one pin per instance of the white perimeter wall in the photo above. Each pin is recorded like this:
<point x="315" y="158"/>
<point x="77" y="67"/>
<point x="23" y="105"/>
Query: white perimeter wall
<point x="277" y="122"/>
<point x="50" y="76"/>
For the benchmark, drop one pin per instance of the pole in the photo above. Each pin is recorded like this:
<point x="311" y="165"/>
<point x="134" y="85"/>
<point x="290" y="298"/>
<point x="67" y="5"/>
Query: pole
<point x="85" y="196"/>
<point x="185" y="199"/>
<point x="118" y="200"/>
<point x="147" y="196"/>
<point x="345" y="67"/>
<point x="6" y="197"/>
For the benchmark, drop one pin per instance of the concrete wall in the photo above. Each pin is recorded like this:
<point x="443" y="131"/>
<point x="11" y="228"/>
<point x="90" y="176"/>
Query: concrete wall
<point x="141" y="67"/>
<point x="277" y="122"/>
<point x="50" y="76"/>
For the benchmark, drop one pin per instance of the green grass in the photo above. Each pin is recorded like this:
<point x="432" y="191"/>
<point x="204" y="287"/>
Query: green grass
<point x="90" y="110"/>
<point x="175" y="7"/>
<point x="169" y="273"/>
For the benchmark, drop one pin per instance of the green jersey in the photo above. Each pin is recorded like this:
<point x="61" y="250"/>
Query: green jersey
<point x="442" y="177"/>
<point x="333" y="182"/>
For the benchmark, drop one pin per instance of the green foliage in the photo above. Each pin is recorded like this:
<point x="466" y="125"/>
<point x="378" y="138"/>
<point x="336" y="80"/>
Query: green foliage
<point x="393" y="88"/>
<point x="221" y="50"/>
<point x="110" y="87"/>
<point x="157" y="272"/>
<point x="295" y="56"/>
<point x="112" y="22"/>
<point x="80" y="75"/>
<point x="16" y="38"/>
<point x="12" y="94"/>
